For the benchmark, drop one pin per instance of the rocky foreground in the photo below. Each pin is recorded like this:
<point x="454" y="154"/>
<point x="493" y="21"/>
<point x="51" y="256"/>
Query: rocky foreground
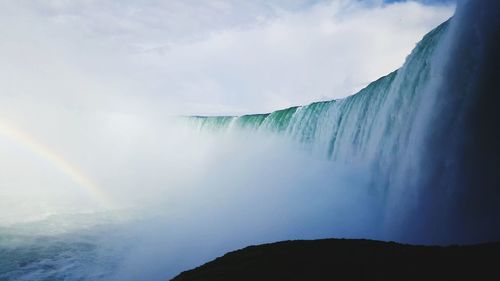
<point x="345" y="259"/>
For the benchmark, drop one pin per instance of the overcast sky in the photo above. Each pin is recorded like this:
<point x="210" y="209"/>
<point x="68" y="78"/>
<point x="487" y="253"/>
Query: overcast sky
<point x="200" y="57"/>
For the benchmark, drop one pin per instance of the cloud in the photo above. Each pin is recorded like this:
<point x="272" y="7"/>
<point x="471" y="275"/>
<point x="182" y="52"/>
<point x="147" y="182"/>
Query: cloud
<point x="186" y="57"/>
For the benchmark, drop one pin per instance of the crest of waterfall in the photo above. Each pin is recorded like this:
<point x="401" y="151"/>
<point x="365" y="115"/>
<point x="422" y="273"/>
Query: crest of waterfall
<point x="378" y="118"/>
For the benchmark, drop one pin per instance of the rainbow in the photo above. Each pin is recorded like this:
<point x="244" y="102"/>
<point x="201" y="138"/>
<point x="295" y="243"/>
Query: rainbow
<point x="57" y="160"/>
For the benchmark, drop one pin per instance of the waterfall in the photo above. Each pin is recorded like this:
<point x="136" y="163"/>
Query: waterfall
<point x="432" y="149"/>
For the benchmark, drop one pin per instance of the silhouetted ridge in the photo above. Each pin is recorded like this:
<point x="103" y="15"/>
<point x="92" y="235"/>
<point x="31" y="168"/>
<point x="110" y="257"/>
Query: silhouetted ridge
<point x="340" y="259"/>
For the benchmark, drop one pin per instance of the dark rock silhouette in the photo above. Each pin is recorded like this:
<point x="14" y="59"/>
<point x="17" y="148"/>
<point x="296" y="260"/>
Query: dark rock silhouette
<point x="345" y="259"/>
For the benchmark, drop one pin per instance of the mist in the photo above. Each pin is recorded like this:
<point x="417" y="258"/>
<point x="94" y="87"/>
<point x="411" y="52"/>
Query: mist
<point x="199" y="196"/>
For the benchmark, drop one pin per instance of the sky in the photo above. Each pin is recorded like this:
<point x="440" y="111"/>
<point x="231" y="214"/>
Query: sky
<point x="199" y="57"/>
